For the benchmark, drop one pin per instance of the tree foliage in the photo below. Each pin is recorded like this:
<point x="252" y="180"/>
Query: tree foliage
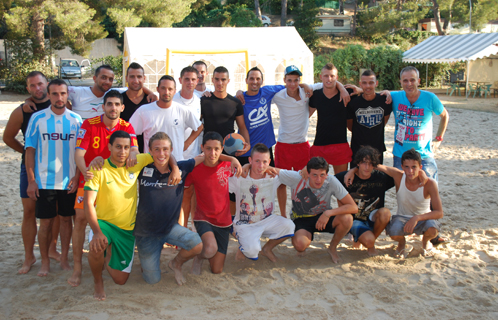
<point x="306" y="21"/>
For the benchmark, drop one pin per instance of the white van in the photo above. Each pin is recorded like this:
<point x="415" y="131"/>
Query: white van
<point x="335" y="25"/>
<point x="265" y="20"/>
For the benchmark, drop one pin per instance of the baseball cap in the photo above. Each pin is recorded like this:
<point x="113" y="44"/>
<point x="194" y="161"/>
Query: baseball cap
<point x="292" y="68"/>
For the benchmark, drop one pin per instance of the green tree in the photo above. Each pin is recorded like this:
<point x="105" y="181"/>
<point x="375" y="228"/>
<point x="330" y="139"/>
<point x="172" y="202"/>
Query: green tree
<point x="213" y="14"/>
<point x="306" y="21"/>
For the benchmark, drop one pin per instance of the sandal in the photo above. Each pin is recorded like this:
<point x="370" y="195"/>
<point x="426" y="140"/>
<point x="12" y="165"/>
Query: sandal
<point x="403" y="254"/>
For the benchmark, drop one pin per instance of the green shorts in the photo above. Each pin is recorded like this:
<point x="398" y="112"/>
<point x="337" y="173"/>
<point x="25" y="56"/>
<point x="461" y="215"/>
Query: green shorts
<point x="123" y="246"/>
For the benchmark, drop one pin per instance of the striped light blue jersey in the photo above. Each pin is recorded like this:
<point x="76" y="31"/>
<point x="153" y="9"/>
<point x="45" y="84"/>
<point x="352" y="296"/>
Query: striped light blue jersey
<point x="54" y="138"/>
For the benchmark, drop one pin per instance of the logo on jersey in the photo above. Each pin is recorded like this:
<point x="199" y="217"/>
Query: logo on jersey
<point x="262" y="100"/>
<point x="58" y="136"/>
<point x="80" y="199"/>
<point x="73" y="127"/>
<point x="148" y="172"/>
<point x="370" y="117"/>
<point x="175" y="122"/>
<point x="131" y="175"/>
<point x="81" y="133"/>
<point x="258" y="116"/>
<point x="223" y="174"/>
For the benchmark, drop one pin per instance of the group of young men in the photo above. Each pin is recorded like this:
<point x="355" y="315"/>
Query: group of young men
<point x="89" y="152"/>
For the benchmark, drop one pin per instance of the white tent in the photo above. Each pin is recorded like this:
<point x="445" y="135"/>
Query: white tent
<point x="168" y="50"/>
<point x="479" y="50"/>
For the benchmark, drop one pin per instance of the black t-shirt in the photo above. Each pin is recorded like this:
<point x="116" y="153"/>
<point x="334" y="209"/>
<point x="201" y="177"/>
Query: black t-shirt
<point x="368" y="194"/>
<point x="27" y="116"/>
<point x="129" y="110"/>
<point x="368" y="122"/>
<point x="159" y="206"/>
<point x="219" y="114"/>
<point x="331" y="127"/>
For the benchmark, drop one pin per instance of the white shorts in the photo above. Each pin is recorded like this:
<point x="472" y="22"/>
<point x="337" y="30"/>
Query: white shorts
<point x="274" y="227"/>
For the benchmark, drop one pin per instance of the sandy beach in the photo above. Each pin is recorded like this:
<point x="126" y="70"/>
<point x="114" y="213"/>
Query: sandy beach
<point x="459" y="282"/>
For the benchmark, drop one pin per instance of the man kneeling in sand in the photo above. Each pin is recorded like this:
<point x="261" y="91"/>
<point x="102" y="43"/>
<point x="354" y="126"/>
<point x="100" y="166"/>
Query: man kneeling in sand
<point x="311" y="205"/>
<point x="254" y="218"/>
<point x="414" y="204"/>
<point x="114" y="192"/>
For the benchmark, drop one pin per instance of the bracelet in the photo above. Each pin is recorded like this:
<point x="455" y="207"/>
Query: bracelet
<point x="439" y="138"/>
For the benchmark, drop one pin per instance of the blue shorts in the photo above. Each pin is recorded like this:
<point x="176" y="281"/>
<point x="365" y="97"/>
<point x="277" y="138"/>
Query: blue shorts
<point x="428" y="165"/>
<point x="395" y="227"/>
<point x="149" y="249"/>
<point x="23" y="182"/>
<point x="359" y="227"/>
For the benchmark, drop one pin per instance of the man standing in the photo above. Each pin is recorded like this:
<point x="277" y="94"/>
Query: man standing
<point x="331" y="130"/>
<point x="254" y="216"/>
<point x="36" y="84"/>
<point x="50" y="143"/>
<point x="367" y="117"/>
<point x="311" y="205"/>
<point x="201" y="85"/>
<point x="415" y="214"/>
<point x="93" y="140"/>
<point x="167" y="116"/>
<point x="368" y="190"/>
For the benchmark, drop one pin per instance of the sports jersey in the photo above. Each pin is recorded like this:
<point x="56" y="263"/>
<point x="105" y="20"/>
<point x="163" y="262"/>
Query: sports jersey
<point x="151" y="118"/>
<point x="54" y="138"/>
<point x="294" y="117"/>
<point x="194" y="105"/>
<point x="116" y="188"/>
<point x="27" y="116"/>
<point x="257" y="116"/>
<point x="414" y="122"/>
<point x="219" y="115"/>
<point x="254" y="198"/>
<point x="211" y="192"/>
<point x="94" y="137"/>
<point x="85" y="103"/>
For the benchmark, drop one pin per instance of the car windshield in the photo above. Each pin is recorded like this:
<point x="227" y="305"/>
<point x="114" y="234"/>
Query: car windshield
<point x="69" y="63"/>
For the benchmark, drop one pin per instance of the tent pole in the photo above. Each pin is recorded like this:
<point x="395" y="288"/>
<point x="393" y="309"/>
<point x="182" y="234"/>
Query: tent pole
<point x="426" y="73"/>
<point x="467" y="82"/>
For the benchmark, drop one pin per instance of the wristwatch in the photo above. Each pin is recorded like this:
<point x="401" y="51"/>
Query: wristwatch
<point x="439" y="138"/>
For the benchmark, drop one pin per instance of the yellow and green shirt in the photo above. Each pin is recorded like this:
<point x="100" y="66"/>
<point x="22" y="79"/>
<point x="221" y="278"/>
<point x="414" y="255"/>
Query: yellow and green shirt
<point x="116" y="200"/>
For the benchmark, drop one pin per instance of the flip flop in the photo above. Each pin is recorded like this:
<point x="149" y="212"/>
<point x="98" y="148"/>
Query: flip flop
<point x="403" y="254"/>
<point x="428" y="252"/>
<point x="438" y="240"/>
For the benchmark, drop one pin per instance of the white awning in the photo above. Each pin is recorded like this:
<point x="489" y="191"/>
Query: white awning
<point x="465" y="47"/>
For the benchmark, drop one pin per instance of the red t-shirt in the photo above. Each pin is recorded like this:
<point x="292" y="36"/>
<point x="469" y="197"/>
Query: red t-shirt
<point x="211" y="192"/>
<point x="94" y="138"/>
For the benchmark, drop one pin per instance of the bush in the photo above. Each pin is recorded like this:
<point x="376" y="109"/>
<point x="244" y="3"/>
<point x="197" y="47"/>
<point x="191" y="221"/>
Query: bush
<point x="386" y="62"/>
<point x="116" y="64"/>
<point x="348" y="62"/>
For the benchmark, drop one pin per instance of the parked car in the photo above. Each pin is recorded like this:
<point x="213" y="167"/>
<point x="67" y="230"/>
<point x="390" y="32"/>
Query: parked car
<point x="70" y="68"/>
<point x="266" y="21"/>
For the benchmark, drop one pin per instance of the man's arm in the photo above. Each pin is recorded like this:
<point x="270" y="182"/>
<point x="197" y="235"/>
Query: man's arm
<point x="32" y="190"/>
<point x="347" y="206"/>
<point x="236" y="167"/>
<point x="345" y="96"/>
<point x="393" y="172"/>
<point x="79" y="158"/>
<point x="12" y="129"/>
<point x="151" y="97"/>
<point x="243" y="131"/>
<point x="193" y="136"/>
<point x="443" y="124"/>
<point x="350" y="124"/>
<point x="175" y="177"/>
<point x="99" y="241"/>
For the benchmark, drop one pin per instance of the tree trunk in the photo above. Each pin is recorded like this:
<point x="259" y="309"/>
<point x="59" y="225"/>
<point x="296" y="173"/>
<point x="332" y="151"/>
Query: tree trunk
<point x="354" y="18"/>
<point x="257" y="9"/>
<point x="283" y="18"/>
<point x="39" y="37"/>
<point x="341" y="6"/>
<point x="437" y="17"/>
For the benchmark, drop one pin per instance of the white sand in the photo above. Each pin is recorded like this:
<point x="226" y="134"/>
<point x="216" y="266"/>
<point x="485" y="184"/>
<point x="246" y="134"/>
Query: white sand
<point x="460" y="282"/>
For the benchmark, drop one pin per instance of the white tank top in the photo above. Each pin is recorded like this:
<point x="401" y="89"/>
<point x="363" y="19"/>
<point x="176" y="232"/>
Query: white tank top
<point x="411" y="203"/>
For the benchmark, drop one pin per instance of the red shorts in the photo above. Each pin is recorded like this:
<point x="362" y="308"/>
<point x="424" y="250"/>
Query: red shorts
<point x="292" y="156"/>
<point x="335" y="154"/>
<point x="78" y="202"/>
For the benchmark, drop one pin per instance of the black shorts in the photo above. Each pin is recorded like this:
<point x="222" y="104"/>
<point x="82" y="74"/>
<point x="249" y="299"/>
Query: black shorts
<point x="54" y="202"/>
<point x="309" y="224"/>
<point x="220" y="234"/>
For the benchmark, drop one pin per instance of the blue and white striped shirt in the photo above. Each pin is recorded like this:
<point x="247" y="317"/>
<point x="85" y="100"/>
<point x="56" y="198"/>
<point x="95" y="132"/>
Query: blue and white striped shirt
<point x="54" y="138"/>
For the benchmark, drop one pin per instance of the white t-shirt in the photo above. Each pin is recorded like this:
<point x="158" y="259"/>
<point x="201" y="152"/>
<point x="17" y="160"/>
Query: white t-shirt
<point x="150" y="118"/>
<point x="209" y="87"/>
<point x="193" y="105"/>
<point x="85" y="103"/>
<point x="254" y="198"/>
<point x="294" y="117"/>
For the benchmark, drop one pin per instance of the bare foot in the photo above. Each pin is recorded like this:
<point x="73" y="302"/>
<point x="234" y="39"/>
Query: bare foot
<point x="356" y="245"/>
<point x="45" y="269"/>
<point x="99" y="293"/>
<point x="55" y="255"/>
<point x="180" y="279"/>
<point x="65" y="265"/>
<point x="26" y="266"/>
<point x="334" y="255"/>
<point x="269" y="254"/>
<point x="372" y="252"/>
<point x="75" y="279"/>
<point x="197" y="265"/>
<point x="239" y="256"/>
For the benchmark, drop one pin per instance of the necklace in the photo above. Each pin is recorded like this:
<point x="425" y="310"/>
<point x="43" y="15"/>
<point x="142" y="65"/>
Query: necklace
<point x="186" y="102"/>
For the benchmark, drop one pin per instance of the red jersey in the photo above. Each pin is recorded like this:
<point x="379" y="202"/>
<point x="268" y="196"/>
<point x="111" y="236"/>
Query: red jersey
<point x="211" y="192"/>
<point x="94" y="136"/>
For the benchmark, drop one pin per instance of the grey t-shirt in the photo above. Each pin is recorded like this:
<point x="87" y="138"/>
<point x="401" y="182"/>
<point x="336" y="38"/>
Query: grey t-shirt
<point x="307" y="201"/>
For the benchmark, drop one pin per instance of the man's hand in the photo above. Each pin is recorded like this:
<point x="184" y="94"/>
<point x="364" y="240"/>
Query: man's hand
<point x="152" y="97"/>
<point x="88" y="175"/>
<point x="308" y="90"/>
<point x="73" y="184"/>
<point x="345" y="97"/>
<point x="422" y="177"/>
<point x="29" y="106"/>
<point x="349" y="177"/>
<point x="435" y="145"/>
<point x="245" y="170"/>
<point x="247" y="147"/>
<point x="272" y="172"/>
<point x="410" y="225"/>
<point x="175" y="177"/>
<point x="236" y="167"/>
<point x="356" y="90"/>
<point x="207" y="94"/>
<point x="386" y="93"/>
<point x="97" y="163"/>
<point x="323" y="220"/>
<point x="240" y="95"/>
<point x="132" y="159"/>
<point x="99" y="242"/>
<point x="33" y="191"/>
<point x="304" y="173"/>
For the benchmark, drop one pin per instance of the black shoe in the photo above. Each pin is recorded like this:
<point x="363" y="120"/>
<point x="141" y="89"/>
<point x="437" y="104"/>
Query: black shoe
<point x="438" y="240"/>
